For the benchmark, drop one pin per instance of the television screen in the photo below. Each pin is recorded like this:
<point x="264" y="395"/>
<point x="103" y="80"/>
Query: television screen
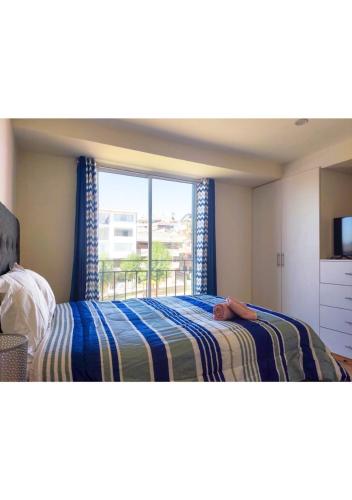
<point x="343" y="236"/>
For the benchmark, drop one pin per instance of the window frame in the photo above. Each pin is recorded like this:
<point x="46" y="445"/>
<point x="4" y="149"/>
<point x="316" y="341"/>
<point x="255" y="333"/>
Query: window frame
<point x="166" y="177"/>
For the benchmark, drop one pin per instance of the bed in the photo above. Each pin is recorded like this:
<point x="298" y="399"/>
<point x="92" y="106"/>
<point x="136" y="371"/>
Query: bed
<point x="176" y="339"/>
<point x="170" y="339"/>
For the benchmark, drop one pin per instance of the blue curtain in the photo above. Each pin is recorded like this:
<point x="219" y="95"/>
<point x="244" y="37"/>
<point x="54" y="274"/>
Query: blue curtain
<point x="205" y="282"/>
<point x="85" y="280"/>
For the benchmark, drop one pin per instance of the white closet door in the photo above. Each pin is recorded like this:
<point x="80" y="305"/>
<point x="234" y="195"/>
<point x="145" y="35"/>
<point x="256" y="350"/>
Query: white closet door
<point x="266" y="278"/>
<point x="300" y="243"/>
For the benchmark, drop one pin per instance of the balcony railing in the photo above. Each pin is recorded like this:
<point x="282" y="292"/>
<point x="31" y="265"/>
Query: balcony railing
<point x="121" y="279"/>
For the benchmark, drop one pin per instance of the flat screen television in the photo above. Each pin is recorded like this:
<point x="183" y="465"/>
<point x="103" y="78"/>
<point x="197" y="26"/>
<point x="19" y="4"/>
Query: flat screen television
<point x="343" y="237"/>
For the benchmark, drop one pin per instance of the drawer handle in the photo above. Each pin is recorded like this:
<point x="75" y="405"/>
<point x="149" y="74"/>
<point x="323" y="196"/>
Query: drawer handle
<point x="348" y="274"/>
<point x="348" y="322"/>
<point x="348" y="298"/>
<point x="348" y="347"/>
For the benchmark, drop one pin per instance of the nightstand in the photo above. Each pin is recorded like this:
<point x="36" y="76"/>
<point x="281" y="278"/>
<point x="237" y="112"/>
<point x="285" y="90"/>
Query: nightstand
<point x="13" y="358"/>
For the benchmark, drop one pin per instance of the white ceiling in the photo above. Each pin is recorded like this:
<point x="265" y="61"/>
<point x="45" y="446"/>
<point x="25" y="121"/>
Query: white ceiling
<point x="273" y="139"/>
<point x="249" y="152"/>
<point x="127" y="145"/>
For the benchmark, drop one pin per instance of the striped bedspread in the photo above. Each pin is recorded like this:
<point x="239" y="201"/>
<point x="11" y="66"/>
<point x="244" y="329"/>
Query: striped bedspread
<point x="176" y="339"/>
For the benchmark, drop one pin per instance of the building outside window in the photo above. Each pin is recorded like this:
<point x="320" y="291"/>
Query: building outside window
<point x="123" y="217"/>
<point x="123" y="232"/>
<point x="104" y="233"/>
<point x="117" y="230"/>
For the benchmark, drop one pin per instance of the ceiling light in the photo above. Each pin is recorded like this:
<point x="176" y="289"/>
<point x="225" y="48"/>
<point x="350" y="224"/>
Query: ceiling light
<point x="301" y="121"/>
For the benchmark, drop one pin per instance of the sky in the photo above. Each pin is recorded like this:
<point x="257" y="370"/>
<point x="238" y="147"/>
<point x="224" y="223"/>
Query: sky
<point x="130" y="193"/>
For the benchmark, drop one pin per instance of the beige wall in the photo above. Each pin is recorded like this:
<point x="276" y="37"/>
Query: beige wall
<point x="45" y="206"/>
<point x="332" y="155"/>
<point x="7" y="164"/>
<point x="234" y="240"/>
<point x="335" y="187"/>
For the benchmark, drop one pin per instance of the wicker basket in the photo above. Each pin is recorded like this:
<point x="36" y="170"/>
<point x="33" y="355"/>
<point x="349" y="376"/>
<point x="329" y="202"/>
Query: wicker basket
<point x="13" y="358"/>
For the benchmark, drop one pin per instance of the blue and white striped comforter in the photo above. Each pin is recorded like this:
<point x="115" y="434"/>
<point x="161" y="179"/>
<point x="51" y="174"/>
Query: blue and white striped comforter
<point x="176" y="338"/>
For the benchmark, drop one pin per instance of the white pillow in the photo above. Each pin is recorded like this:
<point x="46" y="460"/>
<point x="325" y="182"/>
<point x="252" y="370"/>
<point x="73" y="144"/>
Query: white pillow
<point x="23" y="309"/>
<point x="43" y="286"/>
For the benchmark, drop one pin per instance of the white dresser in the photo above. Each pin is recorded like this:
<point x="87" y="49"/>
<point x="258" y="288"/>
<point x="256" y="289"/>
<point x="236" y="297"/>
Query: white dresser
<point x="336" y="305"/>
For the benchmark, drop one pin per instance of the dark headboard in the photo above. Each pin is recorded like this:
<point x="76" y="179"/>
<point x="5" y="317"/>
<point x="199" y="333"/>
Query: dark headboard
<point x="9" y="239"/>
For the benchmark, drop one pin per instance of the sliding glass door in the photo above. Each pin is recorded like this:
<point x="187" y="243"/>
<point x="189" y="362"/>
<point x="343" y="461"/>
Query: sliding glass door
<point x="145" y="236"/>
<point x="171" y="232"/>
<point x="123" y="236"/>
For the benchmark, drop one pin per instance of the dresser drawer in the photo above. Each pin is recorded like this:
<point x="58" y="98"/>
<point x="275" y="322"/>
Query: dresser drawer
<point x="336" y="319"/>
<point x="336" y="295"/>
<point x="339" y="343"/>
<point x="336" y="272"/>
